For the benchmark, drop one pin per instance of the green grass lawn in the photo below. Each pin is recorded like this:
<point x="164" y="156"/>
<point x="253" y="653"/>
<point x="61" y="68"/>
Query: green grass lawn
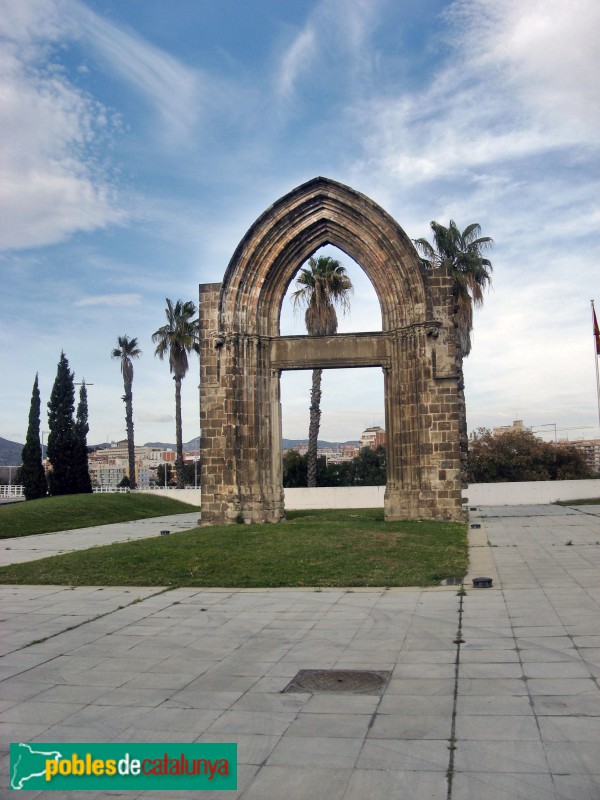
<point x="591" y="501"/>
<point x="311" y="548"/>
<point x="82" y="511"/>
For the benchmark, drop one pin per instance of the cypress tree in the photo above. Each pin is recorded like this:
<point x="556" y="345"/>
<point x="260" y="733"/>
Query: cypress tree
<point x="33" y="476"/>
<point x="61" y="438"/>
<point x="83" y="483"/>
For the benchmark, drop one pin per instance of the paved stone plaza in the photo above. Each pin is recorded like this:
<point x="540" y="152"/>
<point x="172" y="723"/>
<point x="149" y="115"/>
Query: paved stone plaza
<point x="30" y="548"/>
<point x="511" y="713"/>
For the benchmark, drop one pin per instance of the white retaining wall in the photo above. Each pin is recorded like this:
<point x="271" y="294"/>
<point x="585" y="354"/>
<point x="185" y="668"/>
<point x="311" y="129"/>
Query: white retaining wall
<point x="482" y="494"/>
<point x="335" y="497"/>
<point x="295" y="499"/>
<point x="530" y="492"/>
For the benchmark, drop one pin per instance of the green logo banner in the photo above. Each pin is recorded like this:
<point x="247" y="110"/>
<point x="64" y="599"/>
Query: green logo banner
<point x="103" y="766"/>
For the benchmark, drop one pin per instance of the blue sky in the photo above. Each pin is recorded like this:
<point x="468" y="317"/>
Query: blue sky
<point x="140" y="139"/>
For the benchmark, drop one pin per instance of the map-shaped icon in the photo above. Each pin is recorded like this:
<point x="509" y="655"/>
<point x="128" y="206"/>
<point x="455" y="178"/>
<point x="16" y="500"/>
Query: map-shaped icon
<point x="29" y="763"/>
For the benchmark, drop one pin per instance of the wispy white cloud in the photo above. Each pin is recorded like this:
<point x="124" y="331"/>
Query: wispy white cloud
<point x="532" y="356"/>
<point x="28" y="21"/>
<point x="334" y="38"/>
<point x="53" y="182"/>
<point x="173" y="89"/>
<point x="297" y="58"/>
<point x="505" y="134"/>
<point x="51" y="185"/>
<point x="111" y="300"/>
<point x="548" y="53"/>
<point x="520" y="82"/>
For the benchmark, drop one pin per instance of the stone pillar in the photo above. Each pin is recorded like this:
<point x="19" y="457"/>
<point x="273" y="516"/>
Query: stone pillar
<point x="405" y="398"/>
<point x="253" y="397"/>
<point x="423" y="413"/>
<point x="217" y="470"/>
<point x="444" y="406"/>
<point x="240" y="434"/>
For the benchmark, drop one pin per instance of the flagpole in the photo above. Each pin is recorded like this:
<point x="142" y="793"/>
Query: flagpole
<point x="596" y="346"/>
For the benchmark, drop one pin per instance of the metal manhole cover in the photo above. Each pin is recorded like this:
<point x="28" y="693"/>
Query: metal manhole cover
<point x="349" y="681"/>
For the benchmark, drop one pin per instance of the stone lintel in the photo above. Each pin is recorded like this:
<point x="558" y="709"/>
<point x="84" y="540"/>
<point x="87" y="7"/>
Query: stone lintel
<point x="330" y="352"/>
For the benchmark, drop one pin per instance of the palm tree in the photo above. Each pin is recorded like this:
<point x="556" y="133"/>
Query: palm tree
<point x="178" y="338"/>
<point x="126" y="350"/>
<point x="461" y="253"/>
<point x="319" y="288"/>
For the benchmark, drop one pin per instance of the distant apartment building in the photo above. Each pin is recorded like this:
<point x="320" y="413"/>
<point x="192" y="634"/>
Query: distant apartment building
<point x="348" y="451"/>
<point x="372" y="437"/>
<point x="517" y="425"/>
<point x="119" y="450"/>
<point x="109" y="465"/>
<point x="338" y="454"/>
<point x="301" y="448"/>
<point x="590" y="449"/>
<point x="334" y="454"/>
<point x="105" y="476"/>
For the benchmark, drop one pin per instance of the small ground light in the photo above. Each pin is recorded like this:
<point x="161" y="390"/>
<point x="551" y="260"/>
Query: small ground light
<point x="482" y="583"/>
<point x="165" y="533"/>
<point x="476" y="525"/>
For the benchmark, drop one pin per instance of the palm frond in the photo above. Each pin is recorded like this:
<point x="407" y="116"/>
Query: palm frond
<point x="127" y="349"/>
<point x="178" y="337"/>
<point x="460" y="253"/>
<point x="321" y="286"/>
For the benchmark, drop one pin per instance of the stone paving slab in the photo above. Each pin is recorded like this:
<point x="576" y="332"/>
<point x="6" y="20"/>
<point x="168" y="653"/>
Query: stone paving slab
<point x="20" y="549"/>
<point x="547" y="561"/>
<point x="518" y="699"/>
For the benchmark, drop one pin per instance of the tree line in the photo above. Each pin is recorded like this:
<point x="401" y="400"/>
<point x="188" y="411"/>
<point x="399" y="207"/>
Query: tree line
<point x="67" y="440"/>
<point x="67" y="448"/>
<point x="177" y="339"/>
<point x="518" y="455"/>
<point x="514" y="455"/>
<point x="368" y="468"/>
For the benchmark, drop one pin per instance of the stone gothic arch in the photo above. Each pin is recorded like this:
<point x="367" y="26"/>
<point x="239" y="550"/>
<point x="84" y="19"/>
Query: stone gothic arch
<point x="242" y="355"/>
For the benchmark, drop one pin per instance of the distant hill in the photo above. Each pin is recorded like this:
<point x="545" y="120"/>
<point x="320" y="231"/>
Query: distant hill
<point x="193" y="444"/>
<point x="10" y="453"/>
<point x="289" y="443"/>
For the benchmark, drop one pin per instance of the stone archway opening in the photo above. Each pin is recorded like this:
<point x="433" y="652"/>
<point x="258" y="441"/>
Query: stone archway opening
<point x="352" y="400"/>
<point x="242" y="356"/>
<point x="365" y="309"/>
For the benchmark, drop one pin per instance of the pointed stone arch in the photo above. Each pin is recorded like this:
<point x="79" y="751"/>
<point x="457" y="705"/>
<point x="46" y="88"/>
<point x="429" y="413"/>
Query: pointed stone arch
<point x="242" y="355"/>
